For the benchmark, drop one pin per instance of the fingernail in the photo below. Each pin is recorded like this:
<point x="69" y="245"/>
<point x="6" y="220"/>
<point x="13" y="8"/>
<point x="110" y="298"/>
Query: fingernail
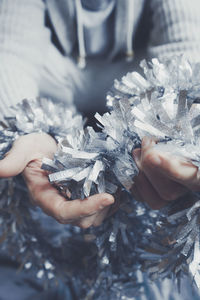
<point x="107" y="202"/>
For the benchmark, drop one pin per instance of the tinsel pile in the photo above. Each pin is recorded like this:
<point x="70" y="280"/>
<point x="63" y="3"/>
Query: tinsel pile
<point x="166" y="243"/>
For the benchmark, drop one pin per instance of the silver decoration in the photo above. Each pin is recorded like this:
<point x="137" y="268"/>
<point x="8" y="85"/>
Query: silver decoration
<point x="31" y="243"/>
<point x="165" y="105"/>
<point x="40" y="115"/>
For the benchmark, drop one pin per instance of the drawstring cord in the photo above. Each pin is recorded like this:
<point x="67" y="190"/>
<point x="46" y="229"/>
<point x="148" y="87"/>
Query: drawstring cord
<point x="129" y="40"/>
<point x="80" y="32"/>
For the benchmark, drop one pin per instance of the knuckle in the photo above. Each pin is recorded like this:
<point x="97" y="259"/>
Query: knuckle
<point x="176" y="174"/>
<point x="148" y="158"/>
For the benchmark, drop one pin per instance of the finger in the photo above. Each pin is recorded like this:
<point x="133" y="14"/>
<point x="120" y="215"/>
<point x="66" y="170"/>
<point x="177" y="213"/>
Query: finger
<point x="166" y="188"/>
<point x="50" y="200"/>
<point x="25" y="149"/>
<point x="84" y="222"/>
<point x="147" y="145"/>
<point x="143" y="189"/>
<point x="68" y="211"/>
<point x="93" y="220"/>
<point x="178" y="170"/>
<point x="183" y="172"/>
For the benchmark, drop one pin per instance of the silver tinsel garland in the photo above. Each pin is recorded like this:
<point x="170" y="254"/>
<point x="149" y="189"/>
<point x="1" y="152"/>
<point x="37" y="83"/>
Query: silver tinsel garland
<point x="164" y="105"/>
<point x="38" y="243"/>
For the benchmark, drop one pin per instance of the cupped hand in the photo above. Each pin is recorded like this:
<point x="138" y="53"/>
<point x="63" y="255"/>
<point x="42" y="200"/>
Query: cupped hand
<point x="162" y="177"/>
<point x="26" y="157"/>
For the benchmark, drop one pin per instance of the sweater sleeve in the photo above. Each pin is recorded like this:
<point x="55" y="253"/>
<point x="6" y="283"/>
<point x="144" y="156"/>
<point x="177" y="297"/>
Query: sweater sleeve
<point x="24" y="40"/>
<point x="176" y="28"/>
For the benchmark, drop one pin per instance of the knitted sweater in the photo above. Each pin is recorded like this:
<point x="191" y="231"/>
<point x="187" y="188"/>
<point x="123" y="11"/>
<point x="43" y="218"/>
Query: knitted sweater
<point x="27" y="53"/>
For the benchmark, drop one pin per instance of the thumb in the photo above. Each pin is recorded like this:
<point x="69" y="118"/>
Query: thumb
<point x="25" y="149"/>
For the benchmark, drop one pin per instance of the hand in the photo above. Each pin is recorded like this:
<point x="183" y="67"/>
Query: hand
<point x="162" y="178"/>
<point x="26" y="156"/>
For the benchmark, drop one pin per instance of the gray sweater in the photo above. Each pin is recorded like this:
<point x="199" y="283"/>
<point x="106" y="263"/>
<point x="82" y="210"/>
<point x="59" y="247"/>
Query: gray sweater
<point x="30" y="63"/>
